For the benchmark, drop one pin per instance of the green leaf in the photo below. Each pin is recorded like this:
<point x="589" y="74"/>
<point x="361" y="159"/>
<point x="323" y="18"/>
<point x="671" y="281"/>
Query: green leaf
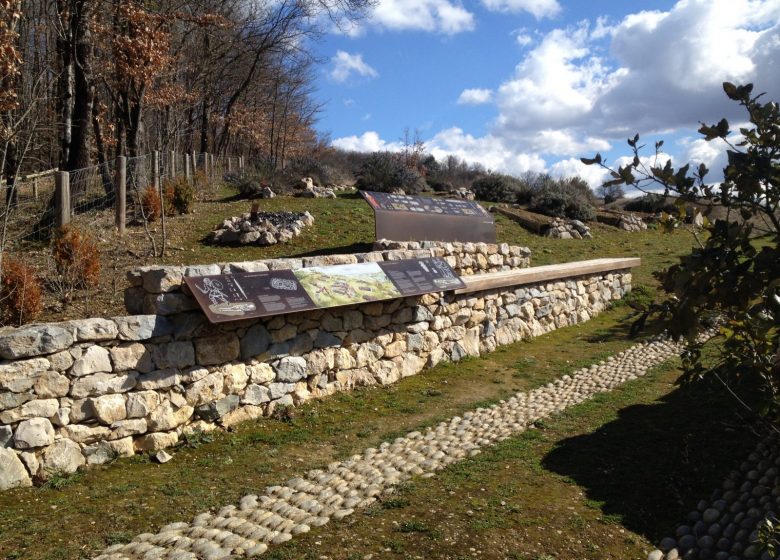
<point x="591" y="161"/>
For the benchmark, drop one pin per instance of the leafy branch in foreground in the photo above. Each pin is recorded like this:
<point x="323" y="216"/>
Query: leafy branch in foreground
<point x="734" y="274"/>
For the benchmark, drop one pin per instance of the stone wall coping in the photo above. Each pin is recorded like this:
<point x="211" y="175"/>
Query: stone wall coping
<point x="534" y="274"/>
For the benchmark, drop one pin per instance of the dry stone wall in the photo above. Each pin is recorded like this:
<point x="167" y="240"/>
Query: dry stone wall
<point x="84" y="392"/>
<point x="159" y="290"/>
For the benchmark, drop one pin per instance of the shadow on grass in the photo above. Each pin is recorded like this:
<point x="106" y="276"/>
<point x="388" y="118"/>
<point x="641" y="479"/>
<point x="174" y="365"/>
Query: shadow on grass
<point x="648" y="468"/>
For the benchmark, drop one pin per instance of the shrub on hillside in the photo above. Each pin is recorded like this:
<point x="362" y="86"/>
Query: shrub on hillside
<point x="77" y="258"/>
<point x="20" y="293"/>
<point x="384" y="172"/>
<point x="440" y="186"/>
<point x="151" y="203"/>
<point x="179" y="196"/>
<point x="565" y="198"/>
<point x="497" y="187"/>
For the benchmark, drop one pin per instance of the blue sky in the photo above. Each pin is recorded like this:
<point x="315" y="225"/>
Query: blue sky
<point x="521" y="85"/>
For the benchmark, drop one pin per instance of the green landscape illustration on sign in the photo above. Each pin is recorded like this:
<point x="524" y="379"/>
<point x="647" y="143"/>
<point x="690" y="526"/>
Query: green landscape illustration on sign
<point x="330" y="286"/>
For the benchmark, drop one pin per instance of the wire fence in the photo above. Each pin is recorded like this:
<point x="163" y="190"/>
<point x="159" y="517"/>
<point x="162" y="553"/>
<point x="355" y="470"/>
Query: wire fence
<point x="28" y="209"/>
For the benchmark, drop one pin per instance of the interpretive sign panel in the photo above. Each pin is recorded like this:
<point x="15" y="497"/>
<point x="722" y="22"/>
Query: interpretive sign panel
<point x="228" y="297"/>
<point x="416" y="218"/>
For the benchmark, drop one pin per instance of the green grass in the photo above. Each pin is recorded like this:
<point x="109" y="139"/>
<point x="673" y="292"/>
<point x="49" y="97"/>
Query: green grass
<point x="639" y="455"/>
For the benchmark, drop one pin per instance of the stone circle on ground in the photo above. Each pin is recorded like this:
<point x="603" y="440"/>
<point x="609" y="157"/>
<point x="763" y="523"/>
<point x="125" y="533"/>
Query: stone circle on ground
<point x="561" y="228"/>
<point x="313" y="499"/>
<point x="263" y="228"/>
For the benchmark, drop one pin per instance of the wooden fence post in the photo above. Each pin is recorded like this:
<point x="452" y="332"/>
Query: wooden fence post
<point x="121" y="194"/>
<point x="206" y="162"/>
<point x="187" y="167"/>
<point x="229" y="166"/>
<point x="156" y="169"/>
<point x="194" y="162"/>
<point x="62" y="198"/>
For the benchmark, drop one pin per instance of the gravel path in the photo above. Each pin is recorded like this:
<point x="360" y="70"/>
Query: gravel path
<point x="246" y="530"/>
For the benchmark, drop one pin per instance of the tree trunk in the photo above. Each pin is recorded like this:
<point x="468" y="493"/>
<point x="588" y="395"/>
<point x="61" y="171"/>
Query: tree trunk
<point x="84" y="91"/>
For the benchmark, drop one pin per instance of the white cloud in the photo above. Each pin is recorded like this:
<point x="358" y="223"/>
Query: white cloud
<point x="346" y="65"/>
<point x="435" y="16"/>
<point x="576" y="90"/>
<point x="475" y="96"/>
<point x="539" y="8"/>
<point x="524" y="39"/>
<point x="366" y="142"/>
<point x="573" y="167"/>
<point x="488" y="150"/>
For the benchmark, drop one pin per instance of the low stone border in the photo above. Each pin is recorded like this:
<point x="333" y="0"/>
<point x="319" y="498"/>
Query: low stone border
<point x="318" y="496"/>
<point x="262" y="229"/>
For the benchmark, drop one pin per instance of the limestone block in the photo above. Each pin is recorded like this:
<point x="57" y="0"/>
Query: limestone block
<point x="142" y="403"/>
<point x="215" y="410"/>
<point x="109" y="408"/>
<point x="255" y="342"/>
<point x="332" y="323"/>
<point x="411" y="365"/>
<point x="235" y="378"/>
<point x="81" y="433"/>
<point x="158" y="280"/>
<point x="160" y="379"/>
<point x="95" y="359"/>
<point x="156" y="441"/>
<point x="242" y="414"/>
<point x="277" y="390"/>
<point x="177" y="355"/>
<point x="142" y="327"/>
<point x="193" y="374"/>
<point x="36" y="432"/>
<point x="91" y="330"/>
<point x="103" y="384"/>
<point x="167" y="417"/>
<point x="107" y="451"/>
<point x="130" y="427"/>
<point x="131" y="356"/>
<point x="256" y="394"/>
<point x="12" y="471"/>
<point x="39" y="408"/>
<point x="31" y="462"/>
<point x="61" y="361"/>
<point x="205" y="390"/>
<point x="62" y="457"/>
<point x="34" y="341"/>
<point x="290" y="369"/>
<point x="261" y="373"/>
<point x="217" y="349"/>
<point x="20" y="376"/>
<point x="51" y="384"/>
<point x="395" y="349"/>
<point x="352" y="319"/>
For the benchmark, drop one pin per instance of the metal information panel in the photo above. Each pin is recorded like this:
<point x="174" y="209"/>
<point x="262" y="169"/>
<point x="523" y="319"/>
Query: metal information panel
<point x="229" y="297"/>
<point x="416" y="218"/>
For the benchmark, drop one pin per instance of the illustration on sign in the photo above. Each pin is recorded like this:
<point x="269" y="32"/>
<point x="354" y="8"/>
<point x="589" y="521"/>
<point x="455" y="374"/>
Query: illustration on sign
<point x="331" y="286"/>
<point x="228" y="297"/>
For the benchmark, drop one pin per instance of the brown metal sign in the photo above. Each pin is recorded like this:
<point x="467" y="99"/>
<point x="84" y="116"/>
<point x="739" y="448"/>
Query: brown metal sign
<point x="229" y="297"/>
<point x="417" y="218"/>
